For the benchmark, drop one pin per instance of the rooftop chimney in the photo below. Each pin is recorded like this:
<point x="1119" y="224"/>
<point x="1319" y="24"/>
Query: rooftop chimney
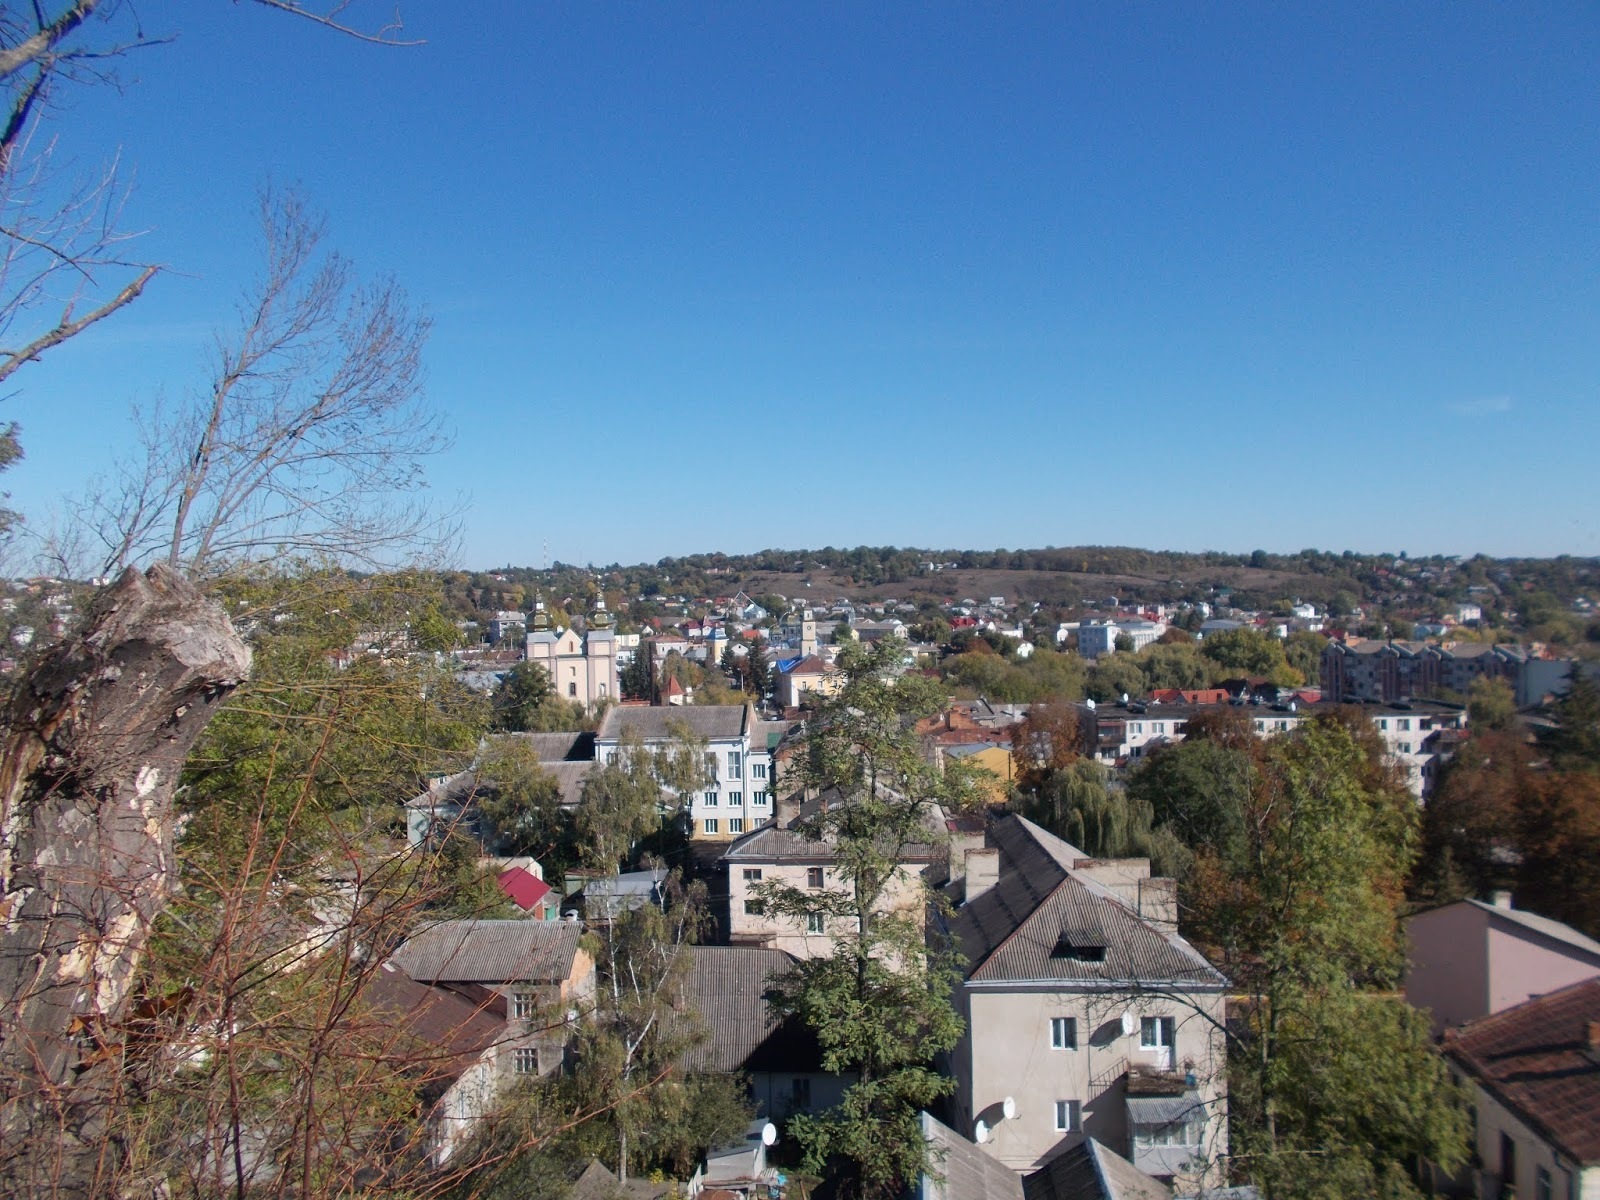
<point x="983" y="872"/>
<point x="1500" y="898"/>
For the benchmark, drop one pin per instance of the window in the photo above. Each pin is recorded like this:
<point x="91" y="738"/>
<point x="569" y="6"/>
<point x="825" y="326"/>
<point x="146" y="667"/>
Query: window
<point x="735" y="824"/>
<point x="1064" y="1033"/>
<point x="800" y="1093"/>
<point x="1175" y="1133"/>
<point x="1508" y="1160"/>
<point x="758" y="771"/>
<point x="602" y="689"/>
<point x="734" y="760"/>
<point x="1261" y="726"/>
<point x="1155" y="1033"/>
<point x="526" y="1060"/>
<point x="814" y="923"/>
<point x="1136" y="727"/>
<point x="523" y="1004"/>
<point x="1383" y="724"/>
<point x="572" y="689"/>
<point x="709" y="824"/>
<point x="1403" y="724"/>
<point x="755" y="908"/>
<point x="711" y="799"/>
<point x="1069" y="1118"/>
<point x="1159" y="727"/>
<point x="1541" y="1185"/>
<point x="752" y="874"/>
<point x="1405" y="747"/>
<point x="813" y="877"/>
<point x="759" y="799"/>
<point x="736" y="799"/>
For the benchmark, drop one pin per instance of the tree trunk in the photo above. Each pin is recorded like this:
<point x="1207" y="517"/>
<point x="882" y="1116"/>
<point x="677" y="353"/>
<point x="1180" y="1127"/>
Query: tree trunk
<point x="96" y="736"/>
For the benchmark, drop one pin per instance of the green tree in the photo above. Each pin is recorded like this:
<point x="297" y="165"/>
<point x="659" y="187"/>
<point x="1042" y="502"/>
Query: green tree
<point x="1574" y="743"/>
<point x="1079" y="804"/>
<point x="517" y="699"/>
<point x="879" y="1004"/>
<point x="521" y="804"/>
<point x="1251" y="652"/>
<point x="1303" y="652"/>
<point x="1491" y="704"/>
<point x="635" y="677"/>
<point x="1123" y="644"/>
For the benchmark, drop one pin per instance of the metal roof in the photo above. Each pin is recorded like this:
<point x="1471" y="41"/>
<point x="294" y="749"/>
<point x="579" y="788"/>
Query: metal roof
<point x="658" y="723"/>
<point x="490" y="952"/>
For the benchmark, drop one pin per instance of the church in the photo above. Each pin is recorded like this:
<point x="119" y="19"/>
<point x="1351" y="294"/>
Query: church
<point x="580" y="668"/>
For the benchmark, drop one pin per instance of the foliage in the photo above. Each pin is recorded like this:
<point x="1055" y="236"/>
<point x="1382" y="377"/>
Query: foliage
<point x="1491" y="705"/>
<point x="1079" y="804"/>
<point x="1251" y="652"/>
<point x="521" y="804"/>
<point x="626" y="799"/>
<point x="879" y="1004"/>
<point x="519" y="696"/>
<point x="1574" y="743"/>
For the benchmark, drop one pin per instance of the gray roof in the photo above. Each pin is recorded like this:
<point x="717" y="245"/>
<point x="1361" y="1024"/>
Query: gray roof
<point x="1013" y="930"/>
<point x="773" y="843"/>
<point x="574" y="746"/>
<point x="965" y="1171"/>
<point x="728" y="985"/>
<point x="1544" y="925"/>
<point x="657" y="723"/>
<point x="1089" y="1171"/>
<point x="612" y="895"/>
<point x="490" y="952"/>
<point x="570" y="776"/>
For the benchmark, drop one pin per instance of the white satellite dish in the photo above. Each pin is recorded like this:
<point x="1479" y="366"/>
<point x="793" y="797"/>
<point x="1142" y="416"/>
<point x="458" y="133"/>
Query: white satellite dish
<point x="1009" y="1107"/>
<point x="980" y="1132"/>
<point x="1129" y="1024"/>
<point x="769" y="1134"/>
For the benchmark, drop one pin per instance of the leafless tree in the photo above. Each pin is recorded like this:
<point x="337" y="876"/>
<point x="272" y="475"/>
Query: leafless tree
<point x="308" y="440"/>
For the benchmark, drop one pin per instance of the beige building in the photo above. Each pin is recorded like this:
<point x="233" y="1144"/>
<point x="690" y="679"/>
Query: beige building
<point x="1087" y="1015"/>
<point x="580" y="668"/>
<point x="808" y="677"/>
<point x="777" y="855"/>
<point x="1535" y="1071"/>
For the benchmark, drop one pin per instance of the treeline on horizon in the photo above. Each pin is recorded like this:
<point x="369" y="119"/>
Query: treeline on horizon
<point x="1154" y="574"/>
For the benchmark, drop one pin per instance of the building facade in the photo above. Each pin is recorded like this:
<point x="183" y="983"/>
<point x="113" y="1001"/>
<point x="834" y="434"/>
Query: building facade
<point x="583" y="668"/>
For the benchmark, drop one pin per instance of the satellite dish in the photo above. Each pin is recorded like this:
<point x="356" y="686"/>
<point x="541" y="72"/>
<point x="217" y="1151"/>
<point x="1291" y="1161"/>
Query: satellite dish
<point x="1124" y="697"/>
<point x="980" y="1132"/>
<point x="1128" y="1024"/>
<point x="769" y="1134"/>
<point x="1009" y="1107"/>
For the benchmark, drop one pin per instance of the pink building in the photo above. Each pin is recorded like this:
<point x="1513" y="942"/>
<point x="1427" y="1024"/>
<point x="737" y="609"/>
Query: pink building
<point x="1470" y="959"/>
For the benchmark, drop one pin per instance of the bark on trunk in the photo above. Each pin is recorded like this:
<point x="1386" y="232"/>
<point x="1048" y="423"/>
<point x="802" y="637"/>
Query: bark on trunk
<point x="92" y="748"/>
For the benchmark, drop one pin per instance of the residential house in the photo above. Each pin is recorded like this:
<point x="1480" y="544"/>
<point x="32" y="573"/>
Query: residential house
<point x="535" y="972"/>
<point x="449" y="802"/>
<point x="1471" y="959"/>
<point x="509" y="624"/>
<point x="448" y="1044"/>
<point x="729" y="986"/>
<point x="774" y="853"/>
<point x="739" y="796"/>
<point x="800" y="679"/>
<point x="1535" y="1071"/>
<point x="1087" y="1015"/>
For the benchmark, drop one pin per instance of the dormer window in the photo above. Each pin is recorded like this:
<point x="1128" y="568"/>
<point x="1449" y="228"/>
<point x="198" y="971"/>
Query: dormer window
<point x="1078" y="948"/>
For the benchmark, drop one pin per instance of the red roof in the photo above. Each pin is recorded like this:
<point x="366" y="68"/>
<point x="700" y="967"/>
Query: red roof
<point x="1542" y="1060"/>
<point x="525" y="889"/>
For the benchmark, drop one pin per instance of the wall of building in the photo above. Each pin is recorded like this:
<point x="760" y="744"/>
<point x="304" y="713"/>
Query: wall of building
<point x="1008" y="1052"/>
<point x="903" y="895"/>
<point x="1568" y="1181"/>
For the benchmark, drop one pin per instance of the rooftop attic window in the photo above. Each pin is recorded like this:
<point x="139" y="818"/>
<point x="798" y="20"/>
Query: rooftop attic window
<point x="1078" y="948"/>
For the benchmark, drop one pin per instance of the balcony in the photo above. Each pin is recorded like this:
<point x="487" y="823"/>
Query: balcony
<point x="1166" y="1122"/>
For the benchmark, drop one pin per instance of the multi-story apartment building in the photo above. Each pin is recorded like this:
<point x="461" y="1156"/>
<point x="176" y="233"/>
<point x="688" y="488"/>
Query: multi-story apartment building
<point x="738" y="797"/>
<point x="1087" y="1015"/>
<point x="1367" y="669"/>
<point x="1420" y="734"/>
<point x="777" y="855"/>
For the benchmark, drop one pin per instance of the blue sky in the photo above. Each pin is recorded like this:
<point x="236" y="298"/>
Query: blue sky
<point x="735" y="276"/>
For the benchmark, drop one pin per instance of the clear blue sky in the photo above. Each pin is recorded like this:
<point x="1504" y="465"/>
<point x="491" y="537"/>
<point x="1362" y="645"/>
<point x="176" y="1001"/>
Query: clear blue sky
<point x="732" y="276"/>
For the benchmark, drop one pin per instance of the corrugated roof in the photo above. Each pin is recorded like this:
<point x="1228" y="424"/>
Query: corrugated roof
<point x="1536" y="1059"/>
<point x="728" y="986"/>
<point x="490" y="952"/>
<point x="1090" y="1171"/>
<point x="1013" y="930"/>
<point x="965" y="1171"/>
<point x="657" y="723"/>
<point x="575" y="746"/>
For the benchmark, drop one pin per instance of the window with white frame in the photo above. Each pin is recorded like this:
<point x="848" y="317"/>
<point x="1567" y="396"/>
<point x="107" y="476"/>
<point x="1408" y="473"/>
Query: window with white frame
<point x="813" y="877"/>
<point x="710" y="799"/>
<point x="1156" y="1033"/>
<point x="1063" y="1033"/>
<point x="735" y="824"/>
<point x="523" y="1003"/>
<point x="814" y="923"/>
<point x="735" y="761"/>
<point x="758" y="770"/>
<point x="525" y="1060"/>
<point x="736" y="799"/>
<point x="709" y="824"/>
<point x="759" y="799"/>
<point x="1069" y="1116"/>
<point x="752" y="874"/>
